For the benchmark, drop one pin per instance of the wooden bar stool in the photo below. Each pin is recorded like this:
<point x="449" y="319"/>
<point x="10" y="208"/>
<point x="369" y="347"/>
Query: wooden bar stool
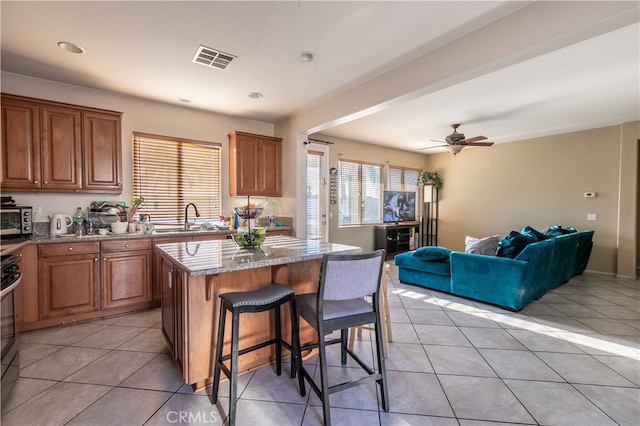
<point x="384" y="313"/>
<point x="270" y="297"/>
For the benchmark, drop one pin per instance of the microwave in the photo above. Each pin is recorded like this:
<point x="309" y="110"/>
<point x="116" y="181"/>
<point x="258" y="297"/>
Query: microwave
<point x="16" y="221"/>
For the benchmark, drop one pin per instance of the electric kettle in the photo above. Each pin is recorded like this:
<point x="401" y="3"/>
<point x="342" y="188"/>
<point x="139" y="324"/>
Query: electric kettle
<point x="59" y="224"/>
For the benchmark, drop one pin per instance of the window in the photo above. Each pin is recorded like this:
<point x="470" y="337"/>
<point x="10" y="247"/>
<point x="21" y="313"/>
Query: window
<point x="359" y="193"/>
<point x="170" y="173"/>
<point x="402" y="178"/>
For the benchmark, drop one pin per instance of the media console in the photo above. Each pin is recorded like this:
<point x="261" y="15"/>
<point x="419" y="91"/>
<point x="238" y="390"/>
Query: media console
<point x="397" y="238"/>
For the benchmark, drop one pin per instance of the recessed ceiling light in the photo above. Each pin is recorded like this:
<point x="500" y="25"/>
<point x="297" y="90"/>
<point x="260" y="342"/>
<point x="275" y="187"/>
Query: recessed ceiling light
<point x="255" y="95"/>
<point x="70" y="47"/>
<point x="185" y="100"/>
<point x="306" y="56"/>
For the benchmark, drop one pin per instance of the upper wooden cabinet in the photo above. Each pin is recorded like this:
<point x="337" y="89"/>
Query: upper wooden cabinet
<point x="54" y="147"/>
<point x="255" y="165"/>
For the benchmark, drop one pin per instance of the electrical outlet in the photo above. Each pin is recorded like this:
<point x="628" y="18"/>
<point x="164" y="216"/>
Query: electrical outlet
<point x="592" y="216"/>
<point x="37" y="210"/>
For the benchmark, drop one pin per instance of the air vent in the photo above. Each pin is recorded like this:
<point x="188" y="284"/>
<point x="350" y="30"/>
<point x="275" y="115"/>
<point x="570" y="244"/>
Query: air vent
<point x="212" y="58"/>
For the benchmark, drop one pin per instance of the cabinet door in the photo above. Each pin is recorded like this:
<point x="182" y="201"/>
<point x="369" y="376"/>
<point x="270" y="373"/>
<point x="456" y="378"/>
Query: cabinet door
<point x="61" y="138"/>
<point x="270" y="168"/>
<point x="168" y="304"/>
<point x="247" y="166"/>
<point x="68" y="285"/>
<point x="102" y="152"/>
<point x="126" y="278"/>
<point x="20" y="160"/>
<point x="158" y="274"/>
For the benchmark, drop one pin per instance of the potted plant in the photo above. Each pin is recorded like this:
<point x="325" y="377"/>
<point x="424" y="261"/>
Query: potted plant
<point x="430" y="178"/>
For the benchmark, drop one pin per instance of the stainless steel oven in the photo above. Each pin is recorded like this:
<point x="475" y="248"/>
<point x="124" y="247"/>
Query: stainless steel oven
<point x="16" y="221"/>
<point x="11" y="278"/>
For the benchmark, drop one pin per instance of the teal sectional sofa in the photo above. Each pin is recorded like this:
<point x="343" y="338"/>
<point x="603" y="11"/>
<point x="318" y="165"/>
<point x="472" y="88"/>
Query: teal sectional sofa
<point x="508" y="282"/>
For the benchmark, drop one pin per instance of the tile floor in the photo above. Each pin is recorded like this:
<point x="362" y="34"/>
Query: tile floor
<point x="571" y="358"/>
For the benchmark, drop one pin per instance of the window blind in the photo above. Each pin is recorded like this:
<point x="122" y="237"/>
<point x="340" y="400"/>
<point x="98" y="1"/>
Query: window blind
<point x="358" y="193"/>
<point x="402" y="178"/>
<point x="316" y="188"/>
<point x="171" y="172"/>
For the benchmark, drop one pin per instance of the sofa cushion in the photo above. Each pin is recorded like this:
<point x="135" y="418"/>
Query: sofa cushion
<point x="557" y="230"/>
<point x="527" y="230"/>
<point x="487" y="245"/>
<point x="432" y="253"/>
<point x="514" y="243"/>
<point x="408" y="261"/>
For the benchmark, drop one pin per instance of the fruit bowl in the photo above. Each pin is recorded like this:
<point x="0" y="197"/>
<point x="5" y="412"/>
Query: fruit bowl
<point x="248" y="212"/>
<point x="249" y="239"/>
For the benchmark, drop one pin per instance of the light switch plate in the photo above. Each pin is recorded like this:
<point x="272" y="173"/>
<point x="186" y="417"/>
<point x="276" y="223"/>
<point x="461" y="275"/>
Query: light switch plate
<point x="592" y="216"/>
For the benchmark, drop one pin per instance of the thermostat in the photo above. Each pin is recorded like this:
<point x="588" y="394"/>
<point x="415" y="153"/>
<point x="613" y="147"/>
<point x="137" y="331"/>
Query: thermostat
<point x="590" y="195"/>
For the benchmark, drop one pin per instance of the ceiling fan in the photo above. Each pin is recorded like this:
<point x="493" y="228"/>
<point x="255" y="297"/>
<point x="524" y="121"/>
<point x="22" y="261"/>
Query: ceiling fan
<point x="455" y="142"/>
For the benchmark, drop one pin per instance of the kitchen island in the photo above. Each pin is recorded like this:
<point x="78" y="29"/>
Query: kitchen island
<point x="194" y="274"/>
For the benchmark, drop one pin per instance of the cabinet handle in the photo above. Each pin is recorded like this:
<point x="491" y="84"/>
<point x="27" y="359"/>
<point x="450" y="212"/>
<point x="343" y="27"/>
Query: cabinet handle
<point x="104" y="259"/>
<point x="46" y="182"/>
<point x="36" y="182"/>
<point x="126" y="245"/>
<point x="69" y="248"/>
<point x="95" y="259"/>
<point x="170" y="278"/>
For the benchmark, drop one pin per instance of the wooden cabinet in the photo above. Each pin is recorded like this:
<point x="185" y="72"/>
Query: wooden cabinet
<point x="126" y="273"/>
<point x="396" y="239"/>
<point x="69" y="278"/>
<point x="80" y="281"/>
<point x="102" y="152"/>
<point x="61" y="144"/>
<point x="158" y="273"/>
<point x="20" y="144"/>
<point x="27" y="292"/>
<point x="172" y="280"/>
<point x="255" y="165"/>
<point x="55" y="147"/>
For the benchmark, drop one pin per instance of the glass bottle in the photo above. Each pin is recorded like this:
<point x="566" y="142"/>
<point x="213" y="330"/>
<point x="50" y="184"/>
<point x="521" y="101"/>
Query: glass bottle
<point x="78" y="222"/>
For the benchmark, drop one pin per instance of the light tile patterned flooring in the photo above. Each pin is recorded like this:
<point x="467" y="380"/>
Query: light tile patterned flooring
<point x="571" y="358"/>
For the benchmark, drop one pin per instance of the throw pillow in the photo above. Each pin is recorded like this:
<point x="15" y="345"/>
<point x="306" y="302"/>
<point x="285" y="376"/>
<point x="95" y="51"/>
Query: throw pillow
<point x="432" y="253"/>
<point x="486" y="245"/>
<point x="514" y="243"/>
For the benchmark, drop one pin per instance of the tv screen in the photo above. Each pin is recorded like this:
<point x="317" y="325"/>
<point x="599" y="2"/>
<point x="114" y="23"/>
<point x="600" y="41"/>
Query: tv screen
<point x="398" y="206"/>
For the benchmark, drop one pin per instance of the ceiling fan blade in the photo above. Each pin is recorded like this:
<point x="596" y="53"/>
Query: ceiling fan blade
<point x="478" y="143"/>
<point x="474" y="139"/>
<point x="432" y="147"/>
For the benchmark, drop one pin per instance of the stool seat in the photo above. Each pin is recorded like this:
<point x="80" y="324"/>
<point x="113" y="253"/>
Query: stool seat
<point x="259" y="297"/>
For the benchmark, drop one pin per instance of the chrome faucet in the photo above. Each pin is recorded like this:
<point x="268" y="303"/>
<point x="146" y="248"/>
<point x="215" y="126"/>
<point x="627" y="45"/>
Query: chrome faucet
<point x="186" y="215"/>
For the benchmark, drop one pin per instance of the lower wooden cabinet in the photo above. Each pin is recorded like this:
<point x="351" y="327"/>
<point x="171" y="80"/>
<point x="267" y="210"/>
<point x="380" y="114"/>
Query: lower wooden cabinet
<point x="172" y="281"/>
<point x="126" y="278"/>
<point x="69" y="282"/>
<point x="80" y="281"/>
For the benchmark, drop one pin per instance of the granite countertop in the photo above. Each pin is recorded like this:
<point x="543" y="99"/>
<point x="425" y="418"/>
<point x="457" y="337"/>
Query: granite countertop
<point x="218" y="256"/>
<point x="7" y="246"/>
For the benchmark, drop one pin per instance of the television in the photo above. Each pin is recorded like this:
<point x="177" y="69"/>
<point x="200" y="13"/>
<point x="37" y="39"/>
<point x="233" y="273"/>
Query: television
<point x="398" y="206"/>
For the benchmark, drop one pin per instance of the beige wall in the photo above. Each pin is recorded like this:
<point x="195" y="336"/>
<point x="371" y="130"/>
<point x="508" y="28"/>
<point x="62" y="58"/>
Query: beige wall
<point x="139" y="115"/>
<point x="538" y="182"/>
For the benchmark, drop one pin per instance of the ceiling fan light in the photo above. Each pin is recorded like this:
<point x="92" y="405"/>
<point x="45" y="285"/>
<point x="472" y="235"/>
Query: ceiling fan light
<point x="454" y="149"/>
